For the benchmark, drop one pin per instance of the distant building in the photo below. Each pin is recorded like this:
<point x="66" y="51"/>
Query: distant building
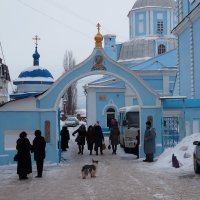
<point x="4" y="80"/>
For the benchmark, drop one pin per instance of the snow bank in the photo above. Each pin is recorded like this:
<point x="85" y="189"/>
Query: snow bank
<point x="183" y="151"/>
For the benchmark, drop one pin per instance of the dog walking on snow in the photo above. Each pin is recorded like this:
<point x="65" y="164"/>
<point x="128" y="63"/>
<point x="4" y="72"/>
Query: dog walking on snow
<point x="90" y="169"/>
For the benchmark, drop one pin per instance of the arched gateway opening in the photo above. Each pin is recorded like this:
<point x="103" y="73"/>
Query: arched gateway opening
<point x="41" y="112"/>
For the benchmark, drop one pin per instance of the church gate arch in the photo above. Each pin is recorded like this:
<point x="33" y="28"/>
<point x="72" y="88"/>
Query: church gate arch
<point x="147" y="98"/>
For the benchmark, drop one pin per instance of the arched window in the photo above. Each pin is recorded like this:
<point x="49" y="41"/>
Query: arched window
<point x="110" y="113"/>
<point x="161" y="49"/>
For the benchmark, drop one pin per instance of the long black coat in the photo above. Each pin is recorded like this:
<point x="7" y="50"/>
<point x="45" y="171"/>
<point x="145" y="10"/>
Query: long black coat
<point x="114" y="135"/>
<point x="81" y="136"/>
<point x="39" y="145"/>
<point x="24" y="148"/>
<point x="65" y="137"/>
<point x="98" y="136"/>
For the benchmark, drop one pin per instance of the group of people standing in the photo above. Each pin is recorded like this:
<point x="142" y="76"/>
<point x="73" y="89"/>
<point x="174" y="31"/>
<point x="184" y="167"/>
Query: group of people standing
<point x="24" y="150"/>
<point x="95" y="138"/>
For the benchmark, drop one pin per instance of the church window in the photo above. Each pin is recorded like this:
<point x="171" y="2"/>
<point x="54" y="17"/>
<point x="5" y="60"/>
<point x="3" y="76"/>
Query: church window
<point x="160" y="27"/>
<point x="141" y="23"/>
<point x="161" y="49"/>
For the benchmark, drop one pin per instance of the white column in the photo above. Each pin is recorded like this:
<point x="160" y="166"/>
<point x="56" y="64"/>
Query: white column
<point x="91" y="107"/>
<point x="147" y="22"/>
<point x="169" y="23"/>
<point x="151" y="22"/>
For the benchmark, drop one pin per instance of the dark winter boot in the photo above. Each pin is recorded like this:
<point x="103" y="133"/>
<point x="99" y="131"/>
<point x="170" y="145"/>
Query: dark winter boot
<point x="79" y="147"/>
<point x="146" y="159"/>
<point x="150" y="159"/>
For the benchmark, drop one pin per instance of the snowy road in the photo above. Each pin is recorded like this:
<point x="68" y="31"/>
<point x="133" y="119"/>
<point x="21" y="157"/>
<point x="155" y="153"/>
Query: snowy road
<point x="119" y="177"/>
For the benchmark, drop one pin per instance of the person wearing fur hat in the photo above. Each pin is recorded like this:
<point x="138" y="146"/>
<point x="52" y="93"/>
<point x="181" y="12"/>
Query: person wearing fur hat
<point x="149" y="142"/>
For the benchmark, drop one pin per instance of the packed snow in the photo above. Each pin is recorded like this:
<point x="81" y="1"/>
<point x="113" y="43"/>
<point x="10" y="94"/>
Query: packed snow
<point x="119" y="177"/>
<point x="184" y="153"/>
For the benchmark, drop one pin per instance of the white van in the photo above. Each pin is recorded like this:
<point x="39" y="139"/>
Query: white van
<point x="129" y="118"/>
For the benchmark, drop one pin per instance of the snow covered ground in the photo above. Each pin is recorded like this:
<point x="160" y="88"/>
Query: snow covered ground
<point x="119" y="177"/>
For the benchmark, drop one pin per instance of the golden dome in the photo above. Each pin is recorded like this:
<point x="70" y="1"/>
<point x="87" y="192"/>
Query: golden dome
<point x="98" y="38"/>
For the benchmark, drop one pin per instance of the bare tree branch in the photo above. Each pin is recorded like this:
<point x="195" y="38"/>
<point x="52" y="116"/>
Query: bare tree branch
<point x="71" y="94"/>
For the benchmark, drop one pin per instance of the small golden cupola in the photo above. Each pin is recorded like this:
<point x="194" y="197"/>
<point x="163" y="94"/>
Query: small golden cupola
<point x="98" y="38"/>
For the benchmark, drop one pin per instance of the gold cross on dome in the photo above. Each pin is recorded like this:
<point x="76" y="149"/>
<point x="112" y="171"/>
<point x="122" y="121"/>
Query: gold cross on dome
<point x="98" y="27"/>
<point x="36" y="38"/>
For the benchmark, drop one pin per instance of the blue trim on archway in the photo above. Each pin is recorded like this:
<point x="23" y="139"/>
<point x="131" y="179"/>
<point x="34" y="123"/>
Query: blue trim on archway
<point x="146" y="96"/>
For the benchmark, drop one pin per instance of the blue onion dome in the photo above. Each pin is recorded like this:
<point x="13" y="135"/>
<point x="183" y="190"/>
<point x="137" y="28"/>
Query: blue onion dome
<point x="35" y="74"/>
<point x="36" y="57"/>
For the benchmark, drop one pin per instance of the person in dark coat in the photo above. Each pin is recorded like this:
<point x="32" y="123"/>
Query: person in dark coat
<point x="64" y="138"/>
<point x="39" y="145"/>
<point x="149" y="142"/>
<point x="24" y="166"/>
<point x="114" y="135"/>
<point x="98" y="138"/>
<point x="80" y="139"/>
<point x="90" y="138"/>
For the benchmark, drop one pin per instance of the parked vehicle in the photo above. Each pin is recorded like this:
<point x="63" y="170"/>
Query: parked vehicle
<point x="129" y="118"/>
<point x="71" y="121"/>
<point x="196" y="157"/>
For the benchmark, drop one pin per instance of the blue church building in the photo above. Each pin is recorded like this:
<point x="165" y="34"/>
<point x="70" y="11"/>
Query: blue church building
<point x="161" y="79"/>
<point x="151" y="53"/>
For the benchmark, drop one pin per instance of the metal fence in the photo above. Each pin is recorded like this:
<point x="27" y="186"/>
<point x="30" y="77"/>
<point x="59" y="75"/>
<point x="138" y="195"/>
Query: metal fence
<point x="170" y="131"/>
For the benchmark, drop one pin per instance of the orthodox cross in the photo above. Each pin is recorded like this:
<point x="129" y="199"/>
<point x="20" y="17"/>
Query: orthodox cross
<point x="36" y="38"/>
<point x="98" y="27"/>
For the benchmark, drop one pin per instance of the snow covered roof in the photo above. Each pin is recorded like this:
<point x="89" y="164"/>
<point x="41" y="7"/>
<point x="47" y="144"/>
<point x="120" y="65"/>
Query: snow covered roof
<point x="35" y="71"/>
<point x="159" y="62"/>
<point x="34" y="74"/>
<point x="154" y="3"/>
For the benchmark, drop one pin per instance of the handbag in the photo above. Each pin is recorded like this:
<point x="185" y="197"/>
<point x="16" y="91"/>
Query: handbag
<point x="103" y="146"/>
<point x="15" y="157"/>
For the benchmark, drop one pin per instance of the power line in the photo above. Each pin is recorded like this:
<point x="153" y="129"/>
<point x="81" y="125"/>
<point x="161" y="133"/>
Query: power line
<point x="59" y="6"/>
<point x="56" y="20"/>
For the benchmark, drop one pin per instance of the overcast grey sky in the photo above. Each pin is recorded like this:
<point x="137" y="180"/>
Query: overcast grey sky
<point x="62" y="25"/>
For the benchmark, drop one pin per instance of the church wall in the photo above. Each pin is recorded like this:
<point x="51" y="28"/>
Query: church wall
<point x="193" y="4"/>
<point x="140" y="23"/>
<point x="184" y="62"/>
<point x="104" y="100"/>
<point x="185" y="7"/>
<point x="188" y="7"/>
<point x="32" y="88"/>
<point x="196" y="42"/>
<point x="155" y="82"/>
<point x="12" y="123"/>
